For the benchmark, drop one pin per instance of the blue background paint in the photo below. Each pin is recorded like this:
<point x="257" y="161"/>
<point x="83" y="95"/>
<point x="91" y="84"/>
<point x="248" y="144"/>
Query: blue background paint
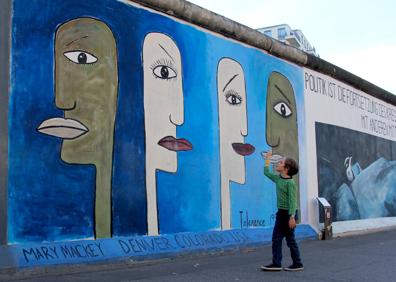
<point x="52" y="201"/>
<point x="48" y="199"/>
<point x="257" y="196"/>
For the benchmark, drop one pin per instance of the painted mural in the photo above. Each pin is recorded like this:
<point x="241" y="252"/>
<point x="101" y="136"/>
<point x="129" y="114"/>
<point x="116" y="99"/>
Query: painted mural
<point x="358" y="176"/>
<point x="355" y="139"/>
<point x="133" y="123"/>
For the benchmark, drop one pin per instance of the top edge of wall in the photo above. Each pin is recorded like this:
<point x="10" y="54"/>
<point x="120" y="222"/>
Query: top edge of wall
<point x="216" y="23"/>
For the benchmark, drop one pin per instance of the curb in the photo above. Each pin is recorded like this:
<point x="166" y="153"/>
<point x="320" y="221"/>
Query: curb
<point x="39" y="259"/>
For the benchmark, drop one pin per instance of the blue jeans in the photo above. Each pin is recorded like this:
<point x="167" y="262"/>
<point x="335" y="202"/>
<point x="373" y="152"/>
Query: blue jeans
<point x="281" y="230"/>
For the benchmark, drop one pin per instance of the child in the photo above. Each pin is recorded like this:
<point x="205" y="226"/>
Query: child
<point x="285" y="223"/>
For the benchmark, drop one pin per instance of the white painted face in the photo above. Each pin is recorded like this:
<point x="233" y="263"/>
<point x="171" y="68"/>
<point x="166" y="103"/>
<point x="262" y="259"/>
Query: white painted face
<point x="232" y="120"/>
<point x="163" y="102"/>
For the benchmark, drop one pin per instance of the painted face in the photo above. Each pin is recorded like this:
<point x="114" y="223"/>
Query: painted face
<point x="86" y="84"/>
<point x="232" y="120"/>
<point x="281" y="131"/>
<point x="163" y="101"/>
<point x="163" y="111"/>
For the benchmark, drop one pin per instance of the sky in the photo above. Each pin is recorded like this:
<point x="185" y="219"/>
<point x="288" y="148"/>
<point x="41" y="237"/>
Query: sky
<point x="356" y="35"/>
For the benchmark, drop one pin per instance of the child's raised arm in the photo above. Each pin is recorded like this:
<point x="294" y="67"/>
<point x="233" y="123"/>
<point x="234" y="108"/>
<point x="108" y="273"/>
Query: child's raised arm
<point x="267" y="172"/>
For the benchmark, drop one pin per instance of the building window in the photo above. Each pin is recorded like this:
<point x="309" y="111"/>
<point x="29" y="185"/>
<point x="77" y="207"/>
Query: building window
<point x="268" y="32"/>
<point x="281" y="33"/>
<point x="298" y="37"/>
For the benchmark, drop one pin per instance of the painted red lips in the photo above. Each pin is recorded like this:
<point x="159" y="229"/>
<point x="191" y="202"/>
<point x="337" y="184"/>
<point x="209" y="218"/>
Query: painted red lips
<point x="173" y="144"/>
<point x="243" y="149"/>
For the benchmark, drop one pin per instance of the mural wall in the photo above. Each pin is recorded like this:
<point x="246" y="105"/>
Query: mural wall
<point x="354" y="165"/>
<point x="134" y="123"/>
<point x="358" y="175"/>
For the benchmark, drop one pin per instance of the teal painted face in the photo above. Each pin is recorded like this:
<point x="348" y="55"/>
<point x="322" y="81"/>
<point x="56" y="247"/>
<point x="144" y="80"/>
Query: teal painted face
<point x="86" y="89"/>
<point x="281" y="128"/>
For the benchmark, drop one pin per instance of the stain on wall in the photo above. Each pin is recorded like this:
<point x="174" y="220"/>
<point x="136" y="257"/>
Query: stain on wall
<point x="5" y="23"/>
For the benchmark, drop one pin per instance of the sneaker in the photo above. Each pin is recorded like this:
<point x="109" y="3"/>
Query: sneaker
<point x="271" y="267"/>
<point x="294" y="267"/>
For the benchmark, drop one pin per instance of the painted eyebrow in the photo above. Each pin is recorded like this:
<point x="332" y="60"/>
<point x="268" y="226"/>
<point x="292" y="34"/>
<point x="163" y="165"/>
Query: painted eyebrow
<point x="85" y="36"/>
<point x="166" y="52"/>
<point x="281" y="92"/>
<point x="232" y="78"/>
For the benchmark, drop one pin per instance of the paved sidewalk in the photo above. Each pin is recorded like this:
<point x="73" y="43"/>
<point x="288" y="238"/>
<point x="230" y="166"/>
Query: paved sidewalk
<point x="370" y="257"/>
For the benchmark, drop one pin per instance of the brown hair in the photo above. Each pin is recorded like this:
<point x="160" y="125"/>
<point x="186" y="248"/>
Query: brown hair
<point x="292" y="166"/>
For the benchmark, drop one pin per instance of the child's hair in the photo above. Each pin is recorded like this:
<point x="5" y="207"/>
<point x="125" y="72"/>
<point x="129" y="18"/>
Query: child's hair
<point x="292" y="166"/>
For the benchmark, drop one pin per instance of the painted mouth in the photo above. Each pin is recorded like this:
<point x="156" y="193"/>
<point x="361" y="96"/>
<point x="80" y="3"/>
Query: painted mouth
<point x="62" y="128"/>
<point x="274" y="158"/>
<point x="243" y="149"/>
<point x="173" y="144"/>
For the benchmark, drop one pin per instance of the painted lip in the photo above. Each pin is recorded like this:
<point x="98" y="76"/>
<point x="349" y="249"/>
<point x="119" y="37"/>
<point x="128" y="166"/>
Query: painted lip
<point x="173" y="144"/>
<point x="243" y="149"/>
<point x="274" y="158"/>
<point x="63" y="128"/>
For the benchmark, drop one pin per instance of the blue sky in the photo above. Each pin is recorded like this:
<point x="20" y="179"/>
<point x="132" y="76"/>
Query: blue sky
<point x="357" y="35"/>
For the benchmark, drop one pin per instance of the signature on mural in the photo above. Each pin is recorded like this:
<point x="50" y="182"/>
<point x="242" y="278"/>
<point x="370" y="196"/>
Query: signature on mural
<point x="246" y="222"/>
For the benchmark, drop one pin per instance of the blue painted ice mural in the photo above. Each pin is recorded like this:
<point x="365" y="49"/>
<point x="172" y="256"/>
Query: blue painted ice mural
<point x="358" y="175"/>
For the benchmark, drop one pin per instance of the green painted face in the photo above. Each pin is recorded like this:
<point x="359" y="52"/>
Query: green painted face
<point x="281" y="131"/>
<point x="86" y="84"/>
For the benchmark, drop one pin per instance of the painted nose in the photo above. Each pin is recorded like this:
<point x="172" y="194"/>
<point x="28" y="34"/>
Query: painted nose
<point x="244" y="130"/>
<point x="176" y="119"/>
<point x="63" y="100"/>
<point x="273" y="143"/>
<point x="66" y="106"/>
<point x="176" y="116"/>
<point x="271" y="135"/>
<point x="65" y="96"/>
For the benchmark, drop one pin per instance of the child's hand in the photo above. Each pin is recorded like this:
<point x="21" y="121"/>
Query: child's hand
<point x="292" y="223"/>
<point x="267" y="154"/>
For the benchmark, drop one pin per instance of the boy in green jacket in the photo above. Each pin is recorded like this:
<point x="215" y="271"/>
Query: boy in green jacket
<point x="285" y="223"/>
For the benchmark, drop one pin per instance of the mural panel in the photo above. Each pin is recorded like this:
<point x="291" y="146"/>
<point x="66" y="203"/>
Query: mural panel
<point x="358" y="174"/>
<point x="86" y="83"/>
<point x="355" y="139"/>
<point x="132" y="123"/>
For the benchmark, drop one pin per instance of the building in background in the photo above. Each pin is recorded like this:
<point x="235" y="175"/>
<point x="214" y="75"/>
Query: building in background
<point x="292" y="37"/>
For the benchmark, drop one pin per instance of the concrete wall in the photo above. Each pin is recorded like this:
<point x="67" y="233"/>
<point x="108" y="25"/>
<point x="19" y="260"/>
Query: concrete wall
<point x="140" y="123"/>
<point x="154" y="127"/>
<point x="5" y="14"/>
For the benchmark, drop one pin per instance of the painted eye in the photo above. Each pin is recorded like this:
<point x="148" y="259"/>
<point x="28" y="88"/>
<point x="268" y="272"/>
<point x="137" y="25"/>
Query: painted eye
<point x="164" y="72"/>
<point x="283" y="109"/>
<point x="80" y="57"/>
<point x="233" y="98"/>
